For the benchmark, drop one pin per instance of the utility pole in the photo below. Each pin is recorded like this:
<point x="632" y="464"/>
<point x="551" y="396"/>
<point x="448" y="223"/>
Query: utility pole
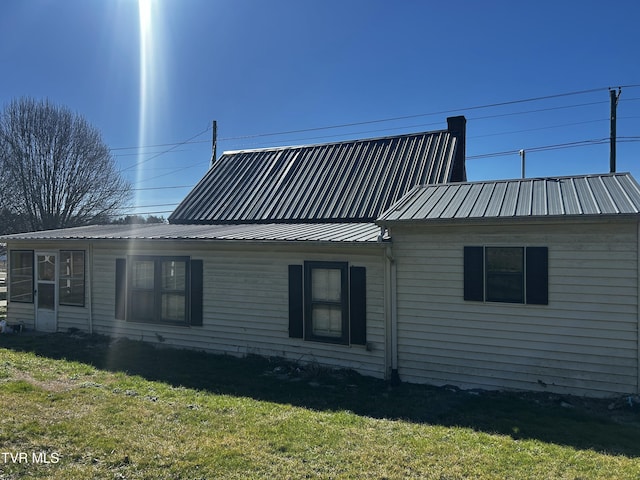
<point x="522" y="158"/>
<point x="214" y="141"/>
<point x="614" y="104"/>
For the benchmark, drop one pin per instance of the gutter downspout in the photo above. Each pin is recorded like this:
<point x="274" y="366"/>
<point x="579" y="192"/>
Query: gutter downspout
<point x="90" y="286"/>
<point x="391" y="302"/>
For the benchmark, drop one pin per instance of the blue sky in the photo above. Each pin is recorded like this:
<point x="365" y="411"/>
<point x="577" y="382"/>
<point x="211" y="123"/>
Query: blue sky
<point x="260" y="67"/>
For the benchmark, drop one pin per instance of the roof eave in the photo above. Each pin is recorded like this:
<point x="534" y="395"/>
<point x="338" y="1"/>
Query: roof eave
<point x="584" y="218"/>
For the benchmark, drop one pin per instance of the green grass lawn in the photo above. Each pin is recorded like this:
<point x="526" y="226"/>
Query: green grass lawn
<point x="94" y="408"/>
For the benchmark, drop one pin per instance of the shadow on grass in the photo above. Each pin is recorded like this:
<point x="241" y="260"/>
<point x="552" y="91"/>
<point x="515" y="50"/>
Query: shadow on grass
<point x="572" y="421"/>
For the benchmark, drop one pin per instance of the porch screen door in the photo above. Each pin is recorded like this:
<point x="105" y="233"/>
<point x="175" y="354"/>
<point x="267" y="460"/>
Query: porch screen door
<point x="46" y="291"/>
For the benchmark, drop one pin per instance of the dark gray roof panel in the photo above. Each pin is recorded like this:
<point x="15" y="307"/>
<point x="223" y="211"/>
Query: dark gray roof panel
<point x="594" y="195"/>
<point x="336" y="182"/>
<point x="317" y="232"/>
<point x="554" y="201"/>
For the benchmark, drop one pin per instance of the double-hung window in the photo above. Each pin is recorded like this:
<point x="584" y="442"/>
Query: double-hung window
<point x="159" y="289"/>
<point x="506" y="274"/>
<point x="326" y="308"/>
<point x="327" y="302"/>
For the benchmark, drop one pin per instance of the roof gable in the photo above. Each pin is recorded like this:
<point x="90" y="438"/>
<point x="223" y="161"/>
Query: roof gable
<point x="576" y="196"/>
<point x="337" y="182"/>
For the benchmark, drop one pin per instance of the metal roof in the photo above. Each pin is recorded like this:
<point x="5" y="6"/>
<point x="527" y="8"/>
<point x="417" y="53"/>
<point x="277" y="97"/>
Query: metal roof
<point x="587" y="195"/>
<point x="334" y="182"/>
<point x="326" y="232"/>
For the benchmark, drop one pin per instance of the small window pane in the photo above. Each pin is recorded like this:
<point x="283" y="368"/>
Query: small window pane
<point x="173" y="307"/>
<point x="142" y="307"/>
<point x="46" y="296"/>
<point x="77" y="264"/>
<point x="505" y="274"/>
<point x="47" y="268"/>
<point x="326" y="284"/>
<point x="173" y="275"/>
<point x="21" y="276"/>
<point x="71" y="290"/>
<point x="327" y="321"/>
<point x="143" y="274"/>
<point x="504" y="259"/>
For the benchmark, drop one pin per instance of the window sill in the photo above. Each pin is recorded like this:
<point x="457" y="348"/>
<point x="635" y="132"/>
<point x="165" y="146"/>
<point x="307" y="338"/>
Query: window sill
<point x="329" y="340"/>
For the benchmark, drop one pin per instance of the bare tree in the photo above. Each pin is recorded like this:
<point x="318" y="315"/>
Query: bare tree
<point x="56" y="168"/>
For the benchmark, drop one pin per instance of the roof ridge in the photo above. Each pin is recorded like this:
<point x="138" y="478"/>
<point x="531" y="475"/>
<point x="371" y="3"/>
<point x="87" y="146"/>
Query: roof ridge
<point x="313" y="145"/>
<point x="528" y="179"/>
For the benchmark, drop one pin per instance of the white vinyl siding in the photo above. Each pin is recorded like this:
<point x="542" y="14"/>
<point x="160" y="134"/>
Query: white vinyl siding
<point x="585" y="341"/>
<point x="70" y="317"/>
<point x="245" y="303"/>
<point x="21" y="314"/>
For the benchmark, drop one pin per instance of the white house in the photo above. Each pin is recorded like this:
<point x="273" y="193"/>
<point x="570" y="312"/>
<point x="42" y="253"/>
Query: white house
<point x="523" y="284"/>
<point x="375" y="255"/>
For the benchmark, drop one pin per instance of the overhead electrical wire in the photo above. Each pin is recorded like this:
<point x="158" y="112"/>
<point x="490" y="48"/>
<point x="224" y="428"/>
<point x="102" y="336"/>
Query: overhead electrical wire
<point x="405" y="117"/>
<point x="542" y="148"/>
<point x="162" y="188"/>
<point x="172" y="172"/>
<point x="511" y="102"/>
<point x="166" y="151"/>
<point x="192" y="140"/>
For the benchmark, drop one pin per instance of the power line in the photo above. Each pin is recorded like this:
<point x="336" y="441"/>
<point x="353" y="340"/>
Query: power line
<point x="140" y="213"/>
<point x="542" y="148"/>
<point x="172" y="172"/>
<point x="151" y="206"/>
<point x="548" y="127"/>
<point x="137" y="154"/>
<point x="167" y="150"/>
<point x="421" y="125"/>
<point x="162" y="188"/>
<point x="158" y="145"/>
<point x="404" y="117"/>
<point x="511" y="102"/>
<point x="557" y="146"/>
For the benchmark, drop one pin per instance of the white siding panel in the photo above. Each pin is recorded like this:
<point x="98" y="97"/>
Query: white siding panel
<point x="73" y="317"/>
<point x="245" y="304"/>
<point x="21" y="313"/>
<point x="585" y="341"/>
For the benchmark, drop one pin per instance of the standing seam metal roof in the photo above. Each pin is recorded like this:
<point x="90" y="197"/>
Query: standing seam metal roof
<point x="606" y="194"/>
<point x="325" y="232"/>
<point x="335" y="182"/>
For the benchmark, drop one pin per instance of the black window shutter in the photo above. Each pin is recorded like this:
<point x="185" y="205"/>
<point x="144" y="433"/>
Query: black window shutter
<point x="196" y="293"/>
<point x="474" y="273"/>
<point x="358" y="305"/>
<point x="296" y="315"/>
<point x="121" y="290"/>
<point x="537" y="267"/>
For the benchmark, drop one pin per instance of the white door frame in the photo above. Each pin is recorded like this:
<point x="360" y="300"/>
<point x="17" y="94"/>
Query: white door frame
<point x="45" y="300"/>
